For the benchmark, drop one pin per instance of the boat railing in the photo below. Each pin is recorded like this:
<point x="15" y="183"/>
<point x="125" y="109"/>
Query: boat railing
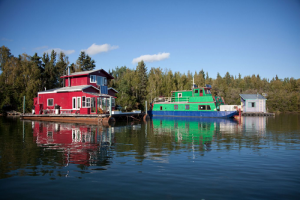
<point x="170" y="99"/>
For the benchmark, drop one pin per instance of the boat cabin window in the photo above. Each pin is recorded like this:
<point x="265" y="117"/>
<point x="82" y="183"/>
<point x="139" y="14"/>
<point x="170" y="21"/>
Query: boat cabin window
<point x="187" y="107"/>
<point x="196" y="91"/>
<point x="160" y="107"/>
<point x="207" y="91"/>
<point x="204" y="107"/>
<point x="179" y="95"/>
<point x="175" y="107"/>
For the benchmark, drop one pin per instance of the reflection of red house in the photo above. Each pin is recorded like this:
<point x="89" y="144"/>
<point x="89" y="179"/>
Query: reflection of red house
<point x="79" y="143"/>
<point x="84" y="93"/>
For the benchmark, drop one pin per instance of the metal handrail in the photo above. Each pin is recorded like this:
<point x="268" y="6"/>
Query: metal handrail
<point x="170" y="99"/>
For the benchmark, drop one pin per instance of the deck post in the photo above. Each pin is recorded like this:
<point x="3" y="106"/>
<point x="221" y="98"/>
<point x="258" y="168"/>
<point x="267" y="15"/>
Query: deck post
<point x="24" y="106"/>
<point x="110" y="106"/>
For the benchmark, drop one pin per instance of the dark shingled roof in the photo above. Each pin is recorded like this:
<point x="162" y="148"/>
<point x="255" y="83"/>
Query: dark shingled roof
<point x="252" y="96"/>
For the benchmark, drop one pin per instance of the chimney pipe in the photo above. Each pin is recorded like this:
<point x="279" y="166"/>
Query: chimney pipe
<point x="69" y="83"/>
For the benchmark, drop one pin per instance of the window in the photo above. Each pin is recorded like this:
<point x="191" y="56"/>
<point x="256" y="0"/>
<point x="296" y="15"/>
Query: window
<point x="201" y="107"/>
<point x="73" y="102"/>
<point x="78" y="102"/>
<point x="49" y="102"/>
<point x="83" y="102"/>
<point x="187" y="107"/>
<point x="101" y="80"/>
<point x="93" y="104"/>
<point x="160" y="107"/>
<point x="88" y="102"/>
<point x="112" y="102"/>
<point x="175" y="107"/>
<point x="196" y="91"/>
<point x="93" y="78"/>
<point x="179" y="95"/>
<point x="208" y="107"/>
<point x="251" y="104"/>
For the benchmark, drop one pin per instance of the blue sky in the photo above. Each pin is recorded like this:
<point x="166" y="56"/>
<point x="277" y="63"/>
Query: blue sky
<point x="247" y="37"/>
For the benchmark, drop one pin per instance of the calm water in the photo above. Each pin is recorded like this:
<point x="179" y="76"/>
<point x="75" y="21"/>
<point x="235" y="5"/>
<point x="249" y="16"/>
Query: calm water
<point x="165" y="158"/>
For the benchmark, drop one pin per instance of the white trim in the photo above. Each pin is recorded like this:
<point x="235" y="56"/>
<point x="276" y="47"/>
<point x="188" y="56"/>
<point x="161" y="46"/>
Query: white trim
<point x="52" y="101"/>
<point x="78" y="106"/>
<point x="179" y="95"/>
<point x="74" y="107"/>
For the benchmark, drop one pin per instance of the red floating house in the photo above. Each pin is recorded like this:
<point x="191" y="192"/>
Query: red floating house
<point x="85" y="92"/>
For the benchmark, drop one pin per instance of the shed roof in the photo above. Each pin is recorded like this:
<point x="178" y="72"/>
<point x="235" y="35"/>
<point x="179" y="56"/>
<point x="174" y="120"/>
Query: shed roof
<point x="252" y="96"/>
<point x="68" y="89"/>
<point x="113" y="89"/>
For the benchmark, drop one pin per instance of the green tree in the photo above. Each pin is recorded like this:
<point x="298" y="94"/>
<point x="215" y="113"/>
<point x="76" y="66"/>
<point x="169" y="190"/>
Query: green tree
<point x="84" y="63"/>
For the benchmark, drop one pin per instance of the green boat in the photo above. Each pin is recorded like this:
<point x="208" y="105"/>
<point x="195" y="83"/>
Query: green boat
<point x="198" y="102"/>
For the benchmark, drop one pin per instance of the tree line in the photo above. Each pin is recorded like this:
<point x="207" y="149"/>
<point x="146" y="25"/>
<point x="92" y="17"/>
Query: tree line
<point x="135" y="86"/>
<point x="26" y="75"/>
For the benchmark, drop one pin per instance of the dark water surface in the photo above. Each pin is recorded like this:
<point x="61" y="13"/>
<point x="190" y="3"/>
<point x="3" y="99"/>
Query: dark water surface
<point x="165" y="158"/>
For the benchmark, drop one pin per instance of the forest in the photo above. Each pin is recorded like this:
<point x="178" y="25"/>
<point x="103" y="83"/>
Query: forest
<point x="25" y="75"/>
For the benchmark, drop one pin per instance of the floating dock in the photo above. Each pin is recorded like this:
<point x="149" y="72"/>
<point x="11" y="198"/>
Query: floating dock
<point x="87" y="119"/>
<point x="255" y="114"/>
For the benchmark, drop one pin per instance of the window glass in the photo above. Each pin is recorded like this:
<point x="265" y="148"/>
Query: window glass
<point x="88" y="102"/>
<point x="208" y="107"/>
<point x="113" y="102"/>
<point x="78" y="102"/>
<point x="49" y="102"/>
<point x="93" y="79"/>
<point x="201" y="107"/>
<point x="160" y="108"/>
<point x="187" y="107"/>
<point x="83" y="102"/>
<point x="251" y="104"/>
<point x="93" y="106"/>
<point x="196" y="91"/>
<point x="73" y="103"/>
<point x="175" y="107"/>
<point x="179" y="95"/>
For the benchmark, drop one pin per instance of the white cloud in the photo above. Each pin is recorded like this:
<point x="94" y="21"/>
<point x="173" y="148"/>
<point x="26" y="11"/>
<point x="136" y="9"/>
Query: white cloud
<point x="95" y="49"/>
<point x="6" y="39"/>
<point x="58" y="50"/>
<point x="151" y="58"/>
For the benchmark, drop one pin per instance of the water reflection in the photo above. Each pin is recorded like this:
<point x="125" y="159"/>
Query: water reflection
<point x="80" y="144"/>
<point x="191" y="131"/>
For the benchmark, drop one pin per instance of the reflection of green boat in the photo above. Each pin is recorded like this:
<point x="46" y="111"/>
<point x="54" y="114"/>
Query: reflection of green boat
<point x="188" y="131"/>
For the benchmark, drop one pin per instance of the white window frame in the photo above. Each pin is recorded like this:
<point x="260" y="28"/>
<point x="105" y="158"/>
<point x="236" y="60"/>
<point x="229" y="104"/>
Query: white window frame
<point x="52" y="102"/>
<point x="93" y="80"/>
<point x="78" y="106"/>
<point x="88" y="103"/>
<point x="179" y="95"/>
<point x="74" y="102"/>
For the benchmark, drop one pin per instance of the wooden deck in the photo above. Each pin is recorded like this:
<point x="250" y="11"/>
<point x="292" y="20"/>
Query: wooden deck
<point x="86" y="119"/>
<point x="255" y="114"/>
